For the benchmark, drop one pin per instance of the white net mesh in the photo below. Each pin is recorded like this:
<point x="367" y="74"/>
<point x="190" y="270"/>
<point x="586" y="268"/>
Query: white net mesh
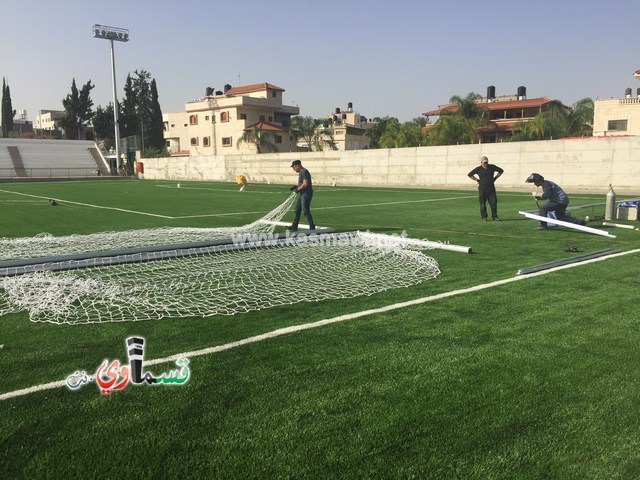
<point x="220" y="281"/>
<point x="45" y="244"/>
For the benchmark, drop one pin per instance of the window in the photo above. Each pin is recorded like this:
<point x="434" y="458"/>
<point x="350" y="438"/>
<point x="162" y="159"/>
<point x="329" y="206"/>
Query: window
<point x="206" y="117"/>
<point x="226" y="141"/>
<point x="271" y="119"/>
<point x="274" y="94"/>
<point x="278" y="138"/>
<point x="193" y="119"/>
<point x="224" y="116"/>
<point x="619" y="125"/>
<point x="205" y="141"/>
<point x="194" y="141"/>
<point x="243" y="116"/>
<point x="173" y="125"/>
<point x="167" y="144"/>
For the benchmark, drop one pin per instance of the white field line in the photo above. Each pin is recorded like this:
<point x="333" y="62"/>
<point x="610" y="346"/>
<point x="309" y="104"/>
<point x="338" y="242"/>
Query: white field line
<point x="235" y="213"/>
<point x="336" y="207"/>
<point x="182" y="187"/>
<point x="397" y="203"/>
<point x="90" y="205"/>
<point x="321" y="323"/>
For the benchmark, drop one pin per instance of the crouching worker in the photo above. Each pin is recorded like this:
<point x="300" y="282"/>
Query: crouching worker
<point x="557" y="200"/>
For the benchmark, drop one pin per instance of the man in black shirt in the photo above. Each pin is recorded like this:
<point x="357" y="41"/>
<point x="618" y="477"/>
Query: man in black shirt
<point x="305" y="190"/>
<point x="486" y="188"/>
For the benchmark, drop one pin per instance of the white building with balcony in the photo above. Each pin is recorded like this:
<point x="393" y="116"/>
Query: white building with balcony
<point x="212" y="125"/>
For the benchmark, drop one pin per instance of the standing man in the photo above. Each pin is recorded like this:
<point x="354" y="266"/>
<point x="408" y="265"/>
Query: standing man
<point x="557" y="200"/>
<point x="305" y="190"/>
<point x="486" y="188"/>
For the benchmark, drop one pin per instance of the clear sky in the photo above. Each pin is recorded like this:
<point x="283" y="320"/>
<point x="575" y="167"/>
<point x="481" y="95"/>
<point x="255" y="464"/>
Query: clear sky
<point x="397" y="58"/>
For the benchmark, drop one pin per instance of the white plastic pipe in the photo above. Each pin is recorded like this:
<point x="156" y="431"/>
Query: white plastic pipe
<point x="619" y="225"/>
<point x="438" y="245"/>
<point x="553" y="221"/>
<point x="426" y="243"/>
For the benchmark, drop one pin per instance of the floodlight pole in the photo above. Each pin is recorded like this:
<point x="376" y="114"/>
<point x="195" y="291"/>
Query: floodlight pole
<point x="121" y="35"/>
<point x="115" y="110"/>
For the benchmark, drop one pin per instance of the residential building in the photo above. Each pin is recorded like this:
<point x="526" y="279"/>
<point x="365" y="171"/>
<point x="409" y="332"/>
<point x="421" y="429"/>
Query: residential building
<point x="503" y="111"/>
<point x="618" y="116"/>
<point x="349" y="129"/>
<point x="213" y="124"/>
<point x="22" y="124"/>
<point x="176" y="132"/>
<point x="49" y="120"/>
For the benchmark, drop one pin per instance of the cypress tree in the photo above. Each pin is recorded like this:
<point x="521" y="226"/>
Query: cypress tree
<point x="155" y="137"/>
<point x="128" y="117"/>
<point x="70" y="120"/>
<point x="7" y="110"/>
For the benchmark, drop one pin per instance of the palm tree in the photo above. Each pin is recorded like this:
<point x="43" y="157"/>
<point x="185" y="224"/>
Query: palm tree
<point x="259" y="137"/>
<point x="558" y="121"/>
<point x="580" y="118"/>
<point x="460" y="125"/>
<point x="304" y="128"/>
<point x="312" y="132"/>
<point x="452" y="129"/>
<point x="468" y="107"/>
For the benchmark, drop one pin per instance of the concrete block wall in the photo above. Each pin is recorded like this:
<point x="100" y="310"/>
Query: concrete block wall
<point x="586" y="164"/>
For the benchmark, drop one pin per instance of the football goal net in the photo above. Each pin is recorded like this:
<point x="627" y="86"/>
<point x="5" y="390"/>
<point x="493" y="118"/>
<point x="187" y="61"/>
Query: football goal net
<point x="251" y="270"/>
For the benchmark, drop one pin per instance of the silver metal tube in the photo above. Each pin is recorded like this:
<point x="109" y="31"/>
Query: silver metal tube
<point x="115" y="110"/>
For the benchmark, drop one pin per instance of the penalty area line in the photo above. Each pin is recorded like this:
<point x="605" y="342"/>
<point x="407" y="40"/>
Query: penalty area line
<point x="321" y="323"/>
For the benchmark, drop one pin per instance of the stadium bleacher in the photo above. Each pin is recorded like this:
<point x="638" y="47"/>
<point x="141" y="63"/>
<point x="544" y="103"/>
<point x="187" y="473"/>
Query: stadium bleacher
<point x="50" y="158"/>
<point x="6" y="165"/>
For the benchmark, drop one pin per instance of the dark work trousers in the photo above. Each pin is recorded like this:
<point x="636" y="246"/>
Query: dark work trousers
<point x="303" y="206"/>
<point x="561" y="213"/>
<point x="488" y="195"/>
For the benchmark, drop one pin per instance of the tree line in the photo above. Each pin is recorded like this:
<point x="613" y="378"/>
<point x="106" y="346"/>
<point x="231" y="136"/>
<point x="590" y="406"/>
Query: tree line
<point x="458" y="125"/>
<point x="461" y="125"/>
<point x="139" y="114"/>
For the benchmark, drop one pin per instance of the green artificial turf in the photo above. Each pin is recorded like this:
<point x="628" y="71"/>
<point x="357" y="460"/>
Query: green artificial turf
<point x="536" y="378"/>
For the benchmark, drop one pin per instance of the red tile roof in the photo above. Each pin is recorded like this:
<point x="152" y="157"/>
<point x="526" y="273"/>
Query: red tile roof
<point x="252" y="88"/>
<point x="505" y="105"/>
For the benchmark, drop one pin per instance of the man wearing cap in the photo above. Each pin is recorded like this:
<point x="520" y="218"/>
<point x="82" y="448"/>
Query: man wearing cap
<point x="486" y="188"/>
<point x="305" y="190"/>
<point x="557" y="200"/>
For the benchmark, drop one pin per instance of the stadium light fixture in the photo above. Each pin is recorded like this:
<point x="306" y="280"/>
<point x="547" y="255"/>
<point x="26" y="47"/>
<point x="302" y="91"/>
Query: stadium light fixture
<point x="119" y="35"/>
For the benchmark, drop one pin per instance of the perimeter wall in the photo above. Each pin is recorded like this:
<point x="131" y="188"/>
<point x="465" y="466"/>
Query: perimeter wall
<point x="585" y="164"/>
